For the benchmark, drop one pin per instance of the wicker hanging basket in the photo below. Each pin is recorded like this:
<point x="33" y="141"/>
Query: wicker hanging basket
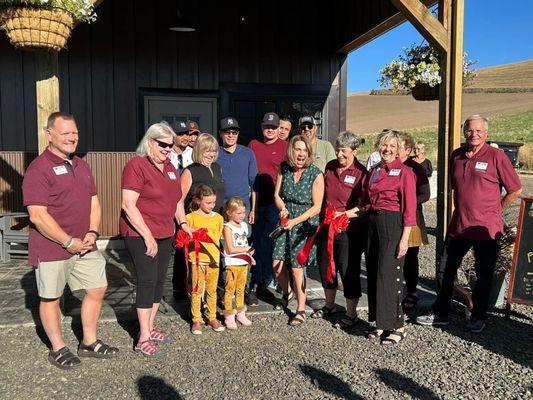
<point x="36" y="28"/>
<point x="424" y="92"/>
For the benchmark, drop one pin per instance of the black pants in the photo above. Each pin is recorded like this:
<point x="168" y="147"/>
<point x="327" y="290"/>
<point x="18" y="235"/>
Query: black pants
<point x="179" y="274"/>
<point x="347" y="250"/>
<point x="411" y="268"/>
<point x="384" y="270"/>
<point x="485" y="255"/>
<point x="151" y="272"/>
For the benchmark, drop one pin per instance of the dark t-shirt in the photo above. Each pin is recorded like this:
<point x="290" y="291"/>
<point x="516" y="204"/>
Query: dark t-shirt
<point x="200" y="174"/>
<point x="66" y="190"/>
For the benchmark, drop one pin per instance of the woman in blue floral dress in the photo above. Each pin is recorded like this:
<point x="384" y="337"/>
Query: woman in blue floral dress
<point x="298" y="195"/>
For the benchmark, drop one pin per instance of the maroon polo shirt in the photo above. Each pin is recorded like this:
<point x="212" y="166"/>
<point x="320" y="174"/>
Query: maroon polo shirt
<point x="65" y="189"/>
<point x="343" y="189"/>
<point x="394" y="189"/>
<point x="477" y="182"/>
<point x="159" y="193"/>
<point x="420" y="175"/>
<point x="269" y="157"/>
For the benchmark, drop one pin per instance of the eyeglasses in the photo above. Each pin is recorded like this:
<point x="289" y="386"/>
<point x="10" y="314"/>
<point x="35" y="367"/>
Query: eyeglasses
<point x="230" y="132"/>
<point x="306" y="127"/>
<point x="163" y="145"/>
<point x="471" y="131"/>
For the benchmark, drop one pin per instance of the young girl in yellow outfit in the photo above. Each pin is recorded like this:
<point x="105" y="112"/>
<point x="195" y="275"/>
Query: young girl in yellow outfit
<point x="205" y="275"/>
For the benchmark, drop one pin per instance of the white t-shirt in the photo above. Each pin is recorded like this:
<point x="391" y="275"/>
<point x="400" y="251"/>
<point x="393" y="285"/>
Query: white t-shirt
<point x="182" y="160"/>
<point x="239" y="236"/>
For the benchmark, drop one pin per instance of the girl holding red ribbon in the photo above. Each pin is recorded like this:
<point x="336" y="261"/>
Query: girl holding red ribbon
<point x="298" y="195"/>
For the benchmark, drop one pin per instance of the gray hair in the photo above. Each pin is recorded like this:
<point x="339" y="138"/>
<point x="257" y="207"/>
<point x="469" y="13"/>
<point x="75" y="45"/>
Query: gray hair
<point x="156" y="131"/>
<point x="347" y="139"/>
<point x="476" y="117"/>
<point x="420" y="144"/>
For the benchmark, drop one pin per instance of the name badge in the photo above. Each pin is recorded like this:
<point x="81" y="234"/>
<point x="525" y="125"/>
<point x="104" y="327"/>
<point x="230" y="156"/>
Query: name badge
<point x="349" y="179"/>
<point x="395" y="172"/>
<point x="171" y="175"/>
<point x="60" y="170"/>
<point x="482" y="166"/>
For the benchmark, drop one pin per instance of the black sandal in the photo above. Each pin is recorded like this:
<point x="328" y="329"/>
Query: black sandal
<point x="324" y="312"/>
<point x="390" y="341"/>
<point x="284" y="302"/>
<point x="409" y="302"/>
<point x="97" y="349"/>
<point x="298" y="319"/>
<point x="63" y="358"/>
<point x="347" y="322"/>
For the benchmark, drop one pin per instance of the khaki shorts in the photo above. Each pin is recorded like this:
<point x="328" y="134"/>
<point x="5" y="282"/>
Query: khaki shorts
<point x="87" y="272"/>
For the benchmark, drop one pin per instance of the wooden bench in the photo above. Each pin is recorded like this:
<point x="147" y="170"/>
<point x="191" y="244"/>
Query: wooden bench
<point x="12" y="241"/>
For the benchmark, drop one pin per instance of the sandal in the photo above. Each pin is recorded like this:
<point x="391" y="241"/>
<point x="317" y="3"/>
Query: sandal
<point x="97" y="349"/>
<point x="149" y="348"/>
<point x="390" y="341"/>
<point x="298" y="319"/>
<point x="284" y="302"/>
<point x="409" y="302"/>
<point x="63" y="358"/>
<point x="159" y="336"/>
<point x="324" y="312"/>
<point x="347" y="322"/>
<point x="375" y="334"/>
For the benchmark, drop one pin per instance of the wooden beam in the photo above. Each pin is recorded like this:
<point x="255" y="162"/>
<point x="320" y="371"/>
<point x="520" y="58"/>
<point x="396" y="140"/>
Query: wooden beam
<point x="456" y="73"/>
<point x="379" y="30"/>
<point x="428" y="26"/>
<point x="47" y="92"/>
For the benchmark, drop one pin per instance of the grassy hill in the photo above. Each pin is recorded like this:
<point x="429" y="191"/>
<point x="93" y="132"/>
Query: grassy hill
<point x="515" y="75"/>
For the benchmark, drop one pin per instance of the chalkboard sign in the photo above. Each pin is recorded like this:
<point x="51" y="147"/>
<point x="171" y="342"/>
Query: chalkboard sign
<point x="521" y="279"/>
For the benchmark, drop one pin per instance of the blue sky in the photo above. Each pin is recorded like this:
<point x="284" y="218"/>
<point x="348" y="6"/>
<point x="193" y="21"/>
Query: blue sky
<point x="496" y="32"/>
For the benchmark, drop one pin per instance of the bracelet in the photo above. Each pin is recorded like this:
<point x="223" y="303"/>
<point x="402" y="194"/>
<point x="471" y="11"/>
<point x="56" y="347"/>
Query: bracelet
<point x="95" y="233"/>
<point x="69" y="243"/>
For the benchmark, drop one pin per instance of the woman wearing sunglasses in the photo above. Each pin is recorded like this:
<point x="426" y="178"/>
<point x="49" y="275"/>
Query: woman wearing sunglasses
<point x="151" y="192"/>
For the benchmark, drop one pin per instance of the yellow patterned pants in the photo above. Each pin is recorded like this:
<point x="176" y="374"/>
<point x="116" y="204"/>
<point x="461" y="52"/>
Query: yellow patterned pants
<point x="235" y="284"/>
<point x="204" y="279"/>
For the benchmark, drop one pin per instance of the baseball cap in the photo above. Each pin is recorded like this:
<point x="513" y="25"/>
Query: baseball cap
<point x="306" y="119"/>
<point x="180" y="127"/>
<point x="270" y="118"/>
<point x="194" y="126"/>
<point x="229" y="123"/>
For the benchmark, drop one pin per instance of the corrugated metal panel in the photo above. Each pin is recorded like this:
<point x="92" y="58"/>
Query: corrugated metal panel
<point x="107" y="171"/>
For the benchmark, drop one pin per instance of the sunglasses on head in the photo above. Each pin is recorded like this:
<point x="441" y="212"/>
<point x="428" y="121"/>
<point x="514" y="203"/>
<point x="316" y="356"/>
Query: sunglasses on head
<point x="163" y="145"/>
<point x="306" y="127"/>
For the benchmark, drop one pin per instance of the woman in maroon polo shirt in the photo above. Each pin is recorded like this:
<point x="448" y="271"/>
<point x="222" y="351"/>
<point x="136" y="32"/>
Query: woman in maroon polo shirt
<point x="343" y="181"/>
<point x="389" y="195"/>
<point x="151" y="192"/>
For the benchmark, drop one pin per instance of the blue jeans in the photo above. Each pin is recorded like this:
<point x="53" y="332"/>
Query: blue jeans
<point x="266" y="221"/>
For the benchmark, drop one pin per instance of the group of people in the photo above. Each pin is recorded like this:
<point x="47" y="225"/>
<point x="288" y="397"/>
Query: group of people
<point x="299" y="201"/>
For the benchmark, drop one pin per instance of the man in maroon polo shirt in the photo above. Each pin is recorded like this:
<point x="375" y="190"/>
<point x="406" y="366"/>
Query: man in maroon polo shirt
<point x="269" y="153"/>
<point x="65" y="214"/>
<point x="478" y="172"/>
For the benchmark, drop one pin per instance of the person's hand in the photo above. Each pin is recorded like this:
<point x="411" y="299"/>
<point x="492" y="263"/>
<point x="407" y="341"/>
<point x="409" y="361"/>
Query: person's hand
<point x="88" y="242"/>
<point x="251" y="217"/>
<point x="402" y="248"/>
<point x="151" y="246"/>
<point x="339" y="213"/>
<point x="187" y="229"/>
<point x="284" y="213"/>
<point x="76" y="247"/>
<point x="290" y="224"/>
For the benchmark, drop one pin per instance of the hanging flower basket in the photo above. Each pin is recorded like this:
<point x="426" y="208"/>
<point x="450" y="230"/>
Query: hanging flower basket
<point x="424" y="92"/>
<point x="34" y="28"/>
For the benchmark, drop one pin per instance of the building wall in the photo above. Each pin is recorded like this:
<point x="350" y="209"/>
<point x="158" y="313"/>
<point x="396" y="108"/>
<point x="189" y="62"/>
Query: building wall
<point x="131" y="48"/>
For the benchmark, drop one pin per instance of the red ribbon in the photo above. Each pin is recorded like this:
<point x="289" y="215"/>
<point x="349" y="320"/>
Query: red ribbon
<point x="335" y="226"/>
<point x="183" y="240"/>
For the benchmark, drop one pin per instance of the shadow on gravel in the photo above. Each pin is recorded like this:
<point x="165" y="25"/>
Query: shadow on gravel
<point x="151" y="387"/>
<point x="31" y="302"/>
<point x="402" y="383"/>
<point x="329" y="383"/>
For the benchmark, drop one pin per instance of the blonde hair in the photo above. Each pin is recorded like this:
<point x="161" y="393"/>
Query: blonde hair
<point x="231" y="205"/>
<point x="198" y="193"/>
<point x="156" y="131"/>
<point x="290" y="150"/>
<point x="388" y="135"/>
<point x="204" y="142"/>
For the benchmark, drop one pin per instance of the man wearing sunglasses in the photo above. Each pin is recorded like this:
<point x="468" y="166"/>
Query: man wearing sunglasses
<point x="323" y="151"/>
<point x="239" y="167"/>
<point x="181" y="154"/>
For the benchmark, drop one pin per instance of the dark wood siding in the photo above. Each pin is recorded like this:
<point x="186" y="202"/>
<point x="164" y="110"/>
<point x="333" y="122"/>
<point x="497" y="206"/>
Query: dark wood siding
<point x="130" y="48"/>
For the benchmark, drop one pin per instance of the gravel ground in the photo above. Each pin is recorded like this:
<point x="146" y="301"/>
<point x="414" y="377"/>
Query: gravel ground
<point x="273" y="360"/>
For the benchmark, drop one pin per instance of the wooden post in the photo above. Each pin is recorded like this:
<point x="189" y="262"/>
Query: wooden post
<point x="456" y="73"/>
<point x="47" y="92"/>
